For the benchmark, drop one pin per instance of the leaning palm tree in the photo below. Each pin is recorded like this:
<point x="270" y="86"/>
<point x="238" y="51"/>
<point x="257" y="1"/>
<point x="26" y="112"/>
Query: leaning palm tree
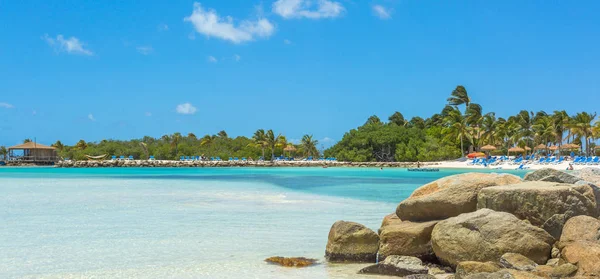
<point x="274" y="141"/>
<point x="474" y="117"/>
<point x="459" y="96"/>
<point x="309" y="145"/>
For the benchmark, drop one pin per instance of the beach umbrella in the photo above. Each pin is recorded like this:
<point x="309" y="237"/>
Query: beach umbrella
<point x="516" y="149"/>
<point x="569" y="146"/>
<point x="554" y="147"/>
<point x="541" y="146"/>
<point x="289" y="148"/>
<point x="488" y="148"/>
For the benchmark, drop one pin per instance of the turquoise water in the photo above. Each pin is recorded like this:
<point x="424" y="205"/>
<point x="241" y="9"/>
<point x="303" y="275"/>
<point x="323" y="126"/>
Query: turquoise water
<point x="186" y="223"/>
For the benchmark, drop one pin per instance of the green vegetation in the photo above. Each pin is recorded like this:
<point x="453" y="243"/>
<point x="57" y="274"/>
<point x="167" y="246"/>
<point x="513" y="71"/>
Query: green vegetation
<point x="462" y="126"/>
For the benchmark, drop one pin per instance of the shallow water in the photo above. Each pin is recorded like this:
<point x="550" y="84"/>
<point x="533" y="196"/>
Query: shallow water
<point x="186" y="223"/>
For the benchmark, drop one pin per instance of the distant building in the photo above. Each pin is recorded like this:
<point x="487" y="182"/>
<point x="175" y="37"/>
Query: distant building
<point x="32" y="152"/>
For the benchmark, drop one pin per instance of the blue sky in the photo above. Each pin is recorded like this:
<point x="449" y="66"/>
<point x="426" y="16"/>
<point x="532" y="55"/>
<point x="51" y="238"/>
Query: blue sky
<point x="91" y="70"/>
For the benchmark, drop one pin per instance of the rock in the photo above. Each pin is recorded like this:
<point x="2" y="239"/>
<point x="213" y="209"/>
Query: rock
<point x="291" y="262"/>
<point x="551" y="175"/>
<point x="543" y="271"/>
<point x="555" y="253"/>
<point x="517" y="261"/>
<point x="390" y="219"/>
<point x="552" y="262"/>
<point x="563" y="271"/>
<point x="444" y="276"/>
<point x="449" y="196"/>
<point x="584" y="254"/>
<point x="352" y="242"/>
<point x="543" y="204"/>
<point x="464" y="269"/>
<point x="419" y="276"/>
<point x="397" y="266"/>
<point x="407" y="239"/>
<point x="486" y="235"/>
<point x="505" y="274"/>
<point x="581" y="228"/>
<point x="590" y="174"/>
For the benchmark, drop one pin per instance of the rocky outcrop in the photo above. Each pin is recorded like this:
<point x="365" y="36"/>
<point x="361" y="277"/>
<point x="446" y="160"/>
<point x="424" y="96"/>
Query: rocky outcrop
<point x="407" y="239"/>
<point x="584" y="254"/>
<point x="517" y="261"/>
<point x="351" y="242"/>
<point x="486" y="235"/>
<point x="551" y="175"/>
<point x="390" y="219"/>
<point x="397" y="266"/>
<point x="291" y="262"/>
<point x="543" y="204"/>
<point x="449" y="196"/>
<point x="562" y="271"/>
<point x="464" y="269"/>
<point x="588" y="174"/>
<point x="505" y="274"/>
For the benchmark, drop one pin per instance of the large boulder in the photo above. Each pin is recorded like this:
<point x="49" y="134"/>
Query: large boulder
<point x="551" y="175"/>
<point x="584" y="254"/>
<point x="486" y="235"/>
<point x="449" y="196"/>
<point x="407" y="239"/>
<point x="397" y="266"/>
<point x="351" y="242"/>
<point x="580" y="228"/>
<point x="543" y="204"/>
<point x="464" y="269"/>
<point x="517" y="261"/>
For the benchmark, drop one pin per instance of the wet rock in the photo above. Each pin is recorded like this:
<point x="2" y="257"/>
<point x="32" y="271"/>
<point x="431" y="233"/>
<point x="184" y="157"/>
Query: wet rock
<point x="551" y="175"/>
<point x="449" y="196"/>
<point x="351" y="242"/>
<point x="486" y="235"/>
<point x="291" y="262"/>
<point x="517" y="261"/>
<point x="397" y="266"/>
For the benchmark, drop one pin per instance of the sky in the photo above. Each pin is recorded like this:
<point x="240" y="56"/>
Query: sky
<point x="96" y="70"/>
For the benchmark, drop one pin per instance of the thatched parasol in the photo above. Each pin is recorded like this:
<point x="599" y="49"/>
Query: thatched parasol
<point x="527" y="148"/>
<point x="570" y="146"/>
<point x="554" y="147"/>
<point x="541" y="146"/>
<point x="290" y="148"/>
<point x="488" y="148"/>
<point x="516" y="149"/>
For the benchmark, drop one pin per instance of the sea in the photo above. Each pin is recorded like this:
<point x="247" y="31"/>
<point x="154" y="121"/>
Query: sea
<point x="188" y="222"/>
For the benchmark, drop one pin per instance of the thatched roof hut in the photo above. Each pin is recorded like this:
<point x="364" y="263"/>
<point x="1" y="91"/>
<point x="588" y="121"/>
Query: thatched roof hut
<point x="32" y="152"/>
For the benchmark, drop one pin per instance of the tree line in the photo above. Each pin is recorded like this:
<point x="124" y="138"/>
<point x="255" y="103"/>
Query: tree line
<point x="461" y="126"/>
<point x="266" y="144"/>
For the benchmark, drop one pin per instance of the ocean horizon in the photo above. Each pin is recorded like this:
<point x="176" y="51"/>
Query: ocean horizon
<point x="187" y="222"/>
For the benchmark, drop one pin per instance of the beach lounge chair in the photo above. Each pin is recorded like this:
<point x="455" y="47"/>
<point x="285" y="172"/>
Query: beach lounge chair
<point x="231" y="159"/>
<point x="130" y="158"/>
<point x="244" y="159"/>
<point x="121" y="157"/>
<point x="113" y="157"/>
<point x="151" y="158"/>
<point x="181" y="158"/>
<point x="594" y="161"/>
<point x="560" y="160"/>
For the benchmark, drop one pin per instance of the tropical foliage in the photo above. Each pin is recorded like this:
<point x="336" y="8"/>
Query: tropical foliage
<point x="460" y="127"/>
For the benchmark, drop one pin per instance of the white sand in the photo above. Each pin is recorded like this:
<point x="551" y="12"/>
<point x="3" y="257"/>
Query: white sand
<point x="507" y="166"/>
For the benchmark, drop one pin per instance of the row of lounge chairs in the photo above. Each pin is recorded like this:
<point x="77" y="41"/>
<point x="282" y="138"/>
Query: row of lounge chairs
<point x="130" y="158"/>
<point x="582" y="160"/>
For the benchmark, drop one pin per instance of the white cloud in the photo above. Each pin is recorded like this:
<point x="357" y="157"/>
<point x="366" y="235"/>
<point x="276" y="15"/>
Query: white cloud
<point x="212" y="59"/>
<point x="71" y="45"/>
<point x="287" y="42"/>
<point x="186" y="108"/>
<point x="145" y="50"/>
<point x="6" y="105"/>
<point x="382" y="12"/>
<point x="91" y="117"/>
<point x="326" y="140"/>
<point x="237" y="58"/>
<point x="148" y="114"/>
<point x="308" y="9"/>
<point x="209" y="23"/>
<point x="163" y="27"/>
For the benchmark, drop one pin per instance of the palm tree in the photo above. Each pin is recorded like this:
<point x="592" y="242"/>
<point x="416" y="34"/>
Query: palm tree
<point x="207" y="140"/>
<point x="3" y="152"/>
<point x="489" y="129"/>
<point x="544" y="130"/>
<point x="561" y="121"/>
<point x="525" y="120"/>
<point x="191" y="136"/>
<point x="144" y="148"/>
<point x="175" y="142"/>
<point x="309" y="145"/>
<point x="474" y="117"/>
<point x="58" y="145"/>
<point x="259" y="140"/>
<point x="456" y="128"/>
<point x="222" y="135"/>
<point x="81" y="144"/>
<point x="274" y="141"/>
<point x="581" y="126"/>
<point x="459" y="96"/>
<point x="26" y="140"/>
<point x="398" y="119"/>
